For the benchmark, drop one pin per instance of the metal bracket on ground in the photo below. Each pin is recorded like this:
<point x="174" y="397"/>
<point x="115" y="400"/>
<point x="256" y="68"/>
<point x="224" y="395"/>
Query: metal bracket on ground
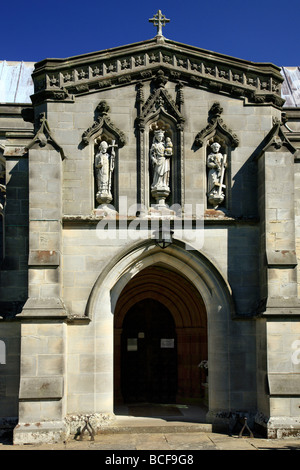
<point x="87" y="427"/>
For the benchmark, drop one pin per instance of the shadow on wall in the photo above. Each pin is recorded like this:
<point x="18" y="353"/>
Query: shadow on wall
<point x="244" y="274"/>
<point x="10" y="346"/>
<point x="14" y="266"/>
<point x="13" y="290"/>
<point x="244" y="278"/>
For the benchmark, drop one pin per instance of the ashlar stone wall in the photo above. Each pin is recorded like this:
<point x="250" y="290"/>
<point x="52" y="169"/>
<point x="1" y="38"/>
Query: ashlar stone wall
<point x="232" y="243"/>
<point x="250" y="248"/>
<point x="85" y="252"/>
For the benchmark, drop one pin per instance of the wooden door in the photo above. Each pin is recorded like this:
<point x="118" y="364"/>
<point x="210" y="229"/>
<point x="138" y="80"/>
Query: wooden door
<point x="149" y="354"/>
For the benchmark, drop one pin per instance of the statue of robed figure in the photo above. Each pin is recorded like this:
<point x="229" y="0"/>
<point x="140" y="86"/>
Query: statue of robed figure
<point x="104" y="166"/>
<point x="160" y="152"/>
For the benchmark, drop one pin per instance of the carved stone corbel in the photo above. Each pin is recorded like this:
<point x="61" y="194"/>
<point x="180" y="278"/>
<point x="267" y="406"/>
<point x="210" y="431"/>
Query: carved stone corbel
<point x="44" y="137"/>
<point x="57" y="94"/>
<point x="276" y="139"/>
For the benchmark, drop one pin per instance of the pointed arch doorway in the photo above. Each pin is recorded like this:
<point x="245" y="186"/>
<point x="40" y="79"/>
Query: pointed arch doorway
<point x="160" y="337"/>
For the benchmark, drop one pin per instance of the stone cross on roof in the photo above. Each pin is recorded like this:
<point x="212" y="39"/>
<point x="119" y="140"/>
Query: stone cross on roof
<point x="159" y="20"/>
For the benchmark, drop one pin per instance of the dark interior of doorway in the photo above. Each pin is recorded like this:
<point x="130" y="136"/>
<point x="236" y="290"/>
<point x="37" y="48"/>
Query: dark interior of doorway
<point x="148" y="354"/>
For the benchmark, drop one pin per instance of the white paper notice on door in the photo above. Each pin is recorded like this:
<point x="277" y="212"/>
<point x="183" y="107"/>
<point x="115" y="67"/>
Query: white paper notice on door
<point x="167" y="343"/>
<point x="132" y="344"/>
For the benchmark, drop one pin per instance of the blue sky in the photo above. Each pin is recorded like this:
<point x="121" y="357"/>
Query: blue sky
<point x="258" y="31"/>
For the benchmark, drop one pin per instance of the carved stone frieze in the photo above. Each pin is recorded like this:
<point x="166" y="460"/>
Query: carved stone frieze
<point x="256" y="83"/>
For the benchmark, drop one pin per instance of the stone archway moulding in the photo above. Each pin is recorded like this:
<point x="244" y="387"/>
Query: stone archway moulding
<point x="203" y="275"/>
<point x="197" y="268"/>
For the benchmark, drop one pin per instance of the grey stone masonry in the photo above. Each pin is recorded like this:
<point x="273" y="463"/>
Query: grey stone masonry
<point x="42" y="388"/>
<point x="276" y="167"/>
<point x="15" y="133"/>
<point x="45" y="213"/>
<point x="115" y="145"/>
<point x="279" y="327"/>
<point x="60" y="79"/>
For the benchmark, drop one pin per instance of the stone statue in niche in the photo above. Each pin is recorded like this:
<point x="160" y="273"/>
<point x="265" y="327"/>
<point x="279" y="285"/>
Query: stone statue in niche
<point x="104" y="166"/>
<point x="160" y="154"/>
<point x="216" y="162"/>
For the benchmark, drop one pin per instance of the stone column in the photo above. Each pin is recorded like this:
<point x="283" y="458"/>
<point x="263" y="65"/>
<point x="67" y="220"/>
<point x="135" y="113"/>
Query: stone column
<point x="281" y="381"/>
<point x="45" y="232"/>
<point x="42" y="388"/>
<point x="278" y="227"/>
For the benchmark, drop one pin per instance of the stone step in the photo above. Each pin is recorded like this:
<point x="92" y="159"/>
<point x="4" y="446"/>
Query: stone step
<point x="161" y="428"/>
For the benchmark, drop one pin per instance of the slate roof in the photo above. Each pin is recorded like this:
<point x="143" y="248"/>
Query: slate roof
<point x="16" y="84"/>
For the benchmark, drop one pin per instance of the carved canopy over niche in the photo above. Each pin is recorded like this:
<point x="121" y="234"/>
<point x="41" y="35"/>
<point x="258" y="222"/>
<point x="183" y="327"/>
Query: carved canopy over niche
<point x="218" y="140"/>
<point x="158" y="104"/>
<point x="101" y="124"/>
<point x="160" y="112"/>
<point x="216" y="126"/>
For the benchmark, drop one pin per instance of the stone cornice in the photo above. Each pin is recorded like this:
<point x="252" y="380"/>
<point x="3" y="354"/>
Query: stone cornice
<point x="59" y="79"/>
<point x="211" y="217"/>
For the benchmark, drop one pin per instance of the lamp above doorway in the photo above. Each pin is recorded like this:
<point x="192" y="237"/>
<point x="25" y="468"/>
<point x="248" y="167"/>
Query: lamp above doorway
<point x="163" y="238"/>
